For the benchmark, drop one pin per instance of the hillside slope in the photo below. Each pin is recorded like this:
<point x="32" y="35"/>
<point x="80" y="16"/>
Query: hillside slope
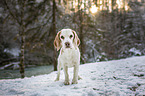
<point x="117" y="77"/>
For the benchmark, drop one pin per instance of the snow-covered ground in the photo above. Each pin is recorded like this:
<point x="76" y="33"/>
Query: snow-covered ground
<point x="112" y="78"/>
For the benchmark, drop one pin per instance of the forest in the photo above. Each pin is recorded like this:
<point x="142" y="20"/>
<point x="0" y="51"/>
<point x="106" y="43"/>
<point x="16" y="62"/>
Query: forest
<point x="108" y="29"/>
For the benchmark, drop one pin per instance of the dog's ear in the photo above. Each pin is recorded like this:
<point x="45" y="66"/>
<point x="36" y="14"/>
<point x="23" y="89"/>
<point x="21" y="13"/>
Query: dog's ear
<point x="57" y="41"/>
<point x="76" y="39"/>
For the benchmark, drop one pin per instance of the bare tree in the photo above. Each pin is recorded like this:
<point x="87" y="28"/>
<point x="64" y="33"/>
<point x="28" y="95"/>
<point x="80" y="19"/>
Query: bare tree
<point x="23" y="16"/>
<point x="20" y="21"/>
<point x="54" y="32"/>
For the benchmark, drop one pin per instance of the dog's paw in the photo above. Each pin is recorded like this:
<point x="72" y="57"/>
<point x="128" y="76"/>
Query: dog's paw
<point x="66" y="83"/>
<point x="79" y="78"/>
<point x="56" y="79"/>
<point x="74" y="82"/>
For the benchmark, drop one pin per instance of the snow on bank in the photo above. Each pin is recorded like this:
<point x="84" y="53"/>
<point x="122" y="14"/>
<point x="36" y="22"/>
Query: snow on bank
<point x="118" y="78"/>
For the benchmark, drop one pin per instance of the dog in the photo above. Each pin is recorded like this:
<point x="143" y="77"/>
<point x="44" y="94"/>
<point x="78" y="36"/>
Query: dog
<point x="67" y="41"/>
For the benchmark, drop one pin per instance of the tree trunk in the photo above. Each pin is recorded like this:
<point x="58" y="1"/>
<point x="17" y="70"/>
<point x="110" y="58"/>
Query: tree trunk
<point x="54" y="33"/>
<point x="81" y="39"/>
<point x="82" y="46"/>
<point x="22" y="34"/>
<point x="142" y="31"/>
<point x="22" y="57"/>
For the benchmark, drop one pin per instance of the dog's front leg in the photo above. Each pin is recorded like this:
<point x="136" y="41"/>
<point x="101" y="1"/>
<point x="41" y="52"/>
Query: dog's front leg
<point x="66" y="82"/>
<point x="58" y="73"/>
<point x="75" y="76"/>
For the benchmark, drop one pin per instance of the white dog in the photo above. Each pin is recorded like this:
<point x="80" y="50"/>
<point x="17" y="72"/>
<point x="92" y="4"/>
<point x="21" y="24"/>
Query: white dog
<point x="67" y="41"/>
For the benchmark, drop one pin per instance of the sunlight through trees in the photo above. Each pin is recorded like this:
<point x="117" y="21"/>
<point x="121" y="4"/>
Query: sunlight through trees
<point x="93" y="9"/>
<point x="94" y="6"/>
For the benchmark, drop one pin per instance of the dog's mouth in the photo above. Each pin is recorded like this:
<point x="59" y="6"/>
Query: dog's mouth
<point x="67" y="47"/>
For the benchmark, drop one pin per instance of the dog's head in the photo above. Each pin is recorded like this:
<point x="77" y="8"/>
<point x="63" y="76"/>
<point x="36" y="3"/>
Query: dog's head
<point x="66" y="38"/>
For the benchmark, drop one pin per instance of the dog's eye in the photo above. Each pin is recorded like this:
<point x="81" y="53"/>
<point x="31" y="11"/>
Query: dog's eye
<point x="71" y="36"/>
<point x="62" y="37"/>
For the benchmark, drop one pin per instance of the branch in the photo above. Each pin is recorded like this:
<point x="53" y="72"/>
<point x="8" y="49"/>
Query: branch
<point x="31" y="29"/>
<point x="11" y="13"/>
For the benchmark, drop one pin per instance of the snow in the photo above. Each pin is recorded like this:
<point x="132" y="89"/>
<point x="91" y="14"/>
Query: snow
<point x="15" y="64"/>
<point x="39" y="1"/>
<point x="14" y="51"/>
<point x="135" y="51"/>
<point x="125" y="77"/>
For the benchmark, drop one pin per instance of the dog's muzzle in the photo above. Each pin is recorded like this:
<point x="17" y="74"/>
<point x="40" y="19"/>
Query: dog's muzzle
<point x="67" y="44"/>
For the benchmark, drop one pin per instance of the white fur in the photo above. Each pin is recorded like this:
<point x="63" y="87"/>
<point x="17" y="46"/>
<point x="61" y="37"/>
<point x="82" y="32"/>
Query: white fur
<point x="68" y="57"/>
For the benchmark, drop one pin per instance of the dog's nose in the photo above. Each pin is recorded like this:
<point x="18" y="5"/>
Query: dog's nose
<point x="67" y="44"/>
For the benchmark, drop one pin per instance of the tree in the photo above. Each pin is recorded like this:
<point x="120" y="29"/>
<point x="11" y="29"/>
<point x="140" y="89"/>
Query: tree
<point x="23" y="14"/>
<point x="20" y="21"/>
<point x="54" y="32"/>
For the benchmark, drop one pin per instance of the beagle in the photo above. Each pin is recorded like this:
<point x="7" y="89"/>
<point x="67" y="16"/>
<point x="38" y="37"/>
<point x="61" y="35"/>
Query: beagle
<point x="67" y="41"/>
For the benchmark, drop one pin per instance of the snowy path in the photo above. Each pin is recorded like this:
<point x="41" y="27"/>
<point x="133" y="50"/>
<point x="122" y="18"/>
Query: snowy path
<point x="113" y="78"/>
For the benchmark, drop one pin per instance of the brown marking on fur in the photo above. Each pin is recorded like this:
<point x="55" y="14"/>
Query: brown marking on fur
<point x="76" y="39"/>
<point x="57" y="41"/>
